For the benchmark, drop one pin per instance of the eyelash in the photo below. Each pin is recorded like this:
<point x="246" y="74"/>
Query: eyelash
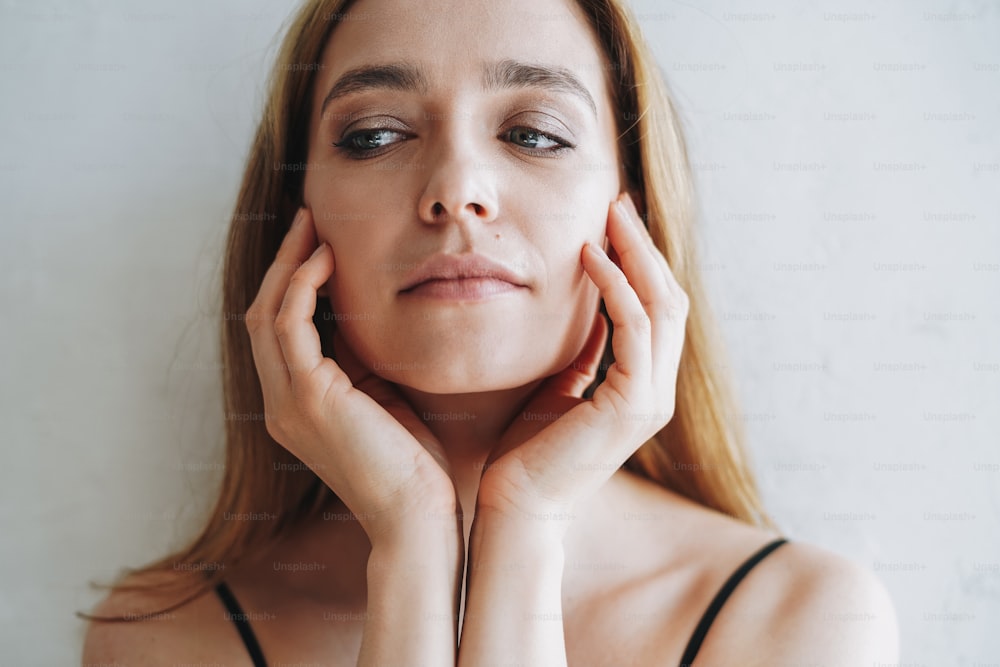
<point x="354" y="152"/>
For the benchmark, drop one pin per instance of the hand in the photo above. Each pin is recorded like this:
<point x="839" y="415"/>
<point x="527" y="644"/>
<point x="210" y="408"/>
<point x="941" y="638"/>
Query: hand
<point x="549" y="468"/>
<point x="346" y="424"/>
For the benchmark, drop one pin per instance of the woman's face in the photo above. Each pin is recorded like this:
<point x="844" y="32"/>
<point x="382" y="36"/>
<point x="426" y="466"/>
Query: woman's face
<point x="462" y="127"/>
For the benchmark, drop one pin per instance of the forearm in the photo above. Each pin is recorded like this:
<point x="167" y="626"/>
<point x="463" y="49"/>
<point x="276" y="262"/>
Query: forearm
<point x="414" y="584"/>
<point x="513" y="609"/>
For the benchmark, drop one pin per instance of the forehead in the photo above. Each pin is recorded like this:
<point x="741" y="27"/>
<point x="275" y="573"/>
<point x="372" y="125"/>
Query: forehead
<point x="450" y="40"/>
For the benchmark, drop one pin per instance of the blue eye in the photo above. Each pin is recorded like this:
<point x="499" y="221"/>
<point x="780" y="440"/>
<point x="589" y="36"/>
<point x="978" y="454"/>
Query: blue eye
<point x="366" y="143"/>
<point x="535" y="140"/>
<point x="371" y="142"/>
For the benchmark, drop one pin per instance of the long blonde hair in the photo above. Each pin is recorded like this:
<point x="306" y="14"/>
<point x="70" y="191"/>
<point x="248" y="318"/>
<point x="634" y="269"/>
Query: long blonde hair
<point x="699" y="454"/>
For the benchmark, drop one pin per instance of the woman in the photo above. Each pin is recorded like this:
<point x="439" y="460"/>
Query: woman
<point x="474" y="332"/>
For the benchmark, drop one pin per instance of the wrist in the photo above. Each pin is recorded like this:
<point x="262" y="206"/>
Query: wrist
<point x="516" y="556"/>
<point x="538" y="523"/>
<point x="423" y="530"/>
<point x="435" y="515"/>
<point x="525" y="531"/>
<point x="426" y="560"/>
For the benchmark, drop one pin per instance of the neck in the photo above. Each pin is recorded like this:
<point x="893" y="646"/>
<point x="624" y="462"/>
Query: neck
<point x="468" y="426"/>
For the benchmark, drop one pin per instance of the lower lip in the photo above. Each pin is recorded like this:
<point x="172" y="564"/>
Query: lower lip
<point x="463" y="289"/>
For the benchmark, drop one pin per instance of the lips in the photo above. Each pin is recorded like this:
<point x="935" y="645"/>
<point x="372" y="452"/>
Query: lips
<point x="467" y="269"/>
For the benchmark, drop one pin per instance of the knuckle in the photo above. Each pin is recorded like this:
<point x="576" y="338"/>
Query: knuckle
<point x="276" y="428"/>
<point x="252" y="318"/>
<point x="683" y="302"/>
<point x="283" y="325"/>
<point x="675" y="315"/>
<point x="299" y="278"/>
<point x="285" y="424"/>
<point x="661" y="293"/>
<point x="641" y="322"/>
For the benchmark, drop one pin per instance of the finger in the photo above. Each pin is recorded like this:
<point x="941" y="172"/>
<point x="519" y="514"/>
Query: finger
<point x="631" y="341"/>
<point x="669" y="314"/>
<point x="672" y="283"/>
<point x="268" y="356"/>
<point x="579" y="375"/>
<point x="294" y="325"/>
<point x="629" y="238"/>
<point x="677" y="301"/>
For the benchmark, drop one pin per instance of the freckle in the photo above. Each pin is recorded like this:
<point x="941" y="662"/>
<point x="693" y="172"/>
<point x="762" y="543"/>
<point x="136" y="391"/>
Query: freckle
<point x="497" y="237"/>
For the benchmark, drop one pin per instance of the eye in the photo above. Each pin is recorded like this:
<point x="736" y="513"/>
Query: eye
<point x="367" y="142"/>
<point x="536" y="141"/>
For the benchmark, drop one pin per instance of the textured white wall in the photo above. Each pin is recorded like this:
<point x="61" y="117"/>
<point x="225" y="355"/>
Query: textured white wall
<point x="849" y="169"/>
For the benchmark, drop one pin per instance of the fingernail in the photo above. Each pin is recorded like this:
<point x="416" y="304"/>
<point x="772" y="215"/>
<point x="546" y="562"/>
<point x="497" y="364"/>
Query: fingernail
<point x="299" y="217"/>
<point x="622" y="210"/>
<point x="318" y="250"/>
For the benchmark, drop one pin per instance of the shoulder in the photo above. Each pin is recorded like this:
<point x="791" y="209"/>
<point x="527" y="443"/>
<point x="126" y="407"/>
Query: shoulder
<point x="801" y="604"/>
<point x="195" y="632"/>
<point x="812" y="605"/>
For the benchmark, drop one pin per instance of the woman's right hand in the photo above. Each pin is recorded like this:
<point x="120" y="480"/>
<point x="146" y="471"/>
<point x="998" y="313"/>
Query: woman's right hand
<point x="353" y="429"/>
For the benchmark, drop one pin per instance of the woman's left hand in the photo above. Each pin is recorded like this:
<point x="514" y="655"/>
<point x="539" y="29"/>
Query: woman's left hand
<point x="540" y="470"/>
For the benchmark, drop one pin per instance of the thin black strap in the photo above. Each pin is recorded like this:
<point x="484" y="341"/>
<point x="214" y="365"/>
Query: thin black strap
<point x="720" y="598"/>
<point x="237" y="616"/>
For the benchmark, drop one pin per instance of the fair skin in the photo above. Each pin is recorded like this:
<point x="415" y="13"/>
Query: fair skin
<point x="461" y="355"/>
<point x="570" y="560"/>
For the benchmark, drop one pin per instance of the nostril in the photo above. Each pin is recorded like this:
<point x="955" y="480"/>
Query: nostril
<point x="438" y="208"/>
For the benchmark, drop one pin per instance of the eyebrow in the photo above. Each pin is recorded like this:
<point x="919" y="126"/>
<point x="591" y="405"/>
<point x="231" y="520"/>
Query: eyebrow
<point x="507" y="74"/>
<point x="500" y="75"/>
<point x="401" y="76"/>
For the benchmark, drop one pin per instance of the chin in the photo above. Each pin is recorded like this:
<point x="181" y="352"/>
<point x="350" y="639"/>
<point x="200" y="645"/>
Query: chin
<point x="462" y="374"/>
<point x="442" y="387"/>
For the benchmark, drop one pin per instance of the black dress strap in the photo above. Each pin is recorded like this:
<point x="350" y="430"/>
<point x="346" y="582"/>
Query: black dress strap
<point x="237" y="616"/>
<point x="720" y="598"/>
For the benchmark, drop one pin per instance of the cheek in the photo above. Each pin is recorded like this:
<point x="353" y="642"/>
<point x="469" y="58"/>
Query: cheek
<point x="359" y="234"/>
<point x="570" y="298"/>
<point x="580" y="214"/>
<point x="347" y="205"/>
<point x="356" y="261"/>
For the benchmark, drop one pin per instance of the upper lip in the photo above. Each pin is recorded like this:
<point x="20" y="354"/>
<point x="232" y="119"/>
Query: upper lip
<point x="457" y="267"/>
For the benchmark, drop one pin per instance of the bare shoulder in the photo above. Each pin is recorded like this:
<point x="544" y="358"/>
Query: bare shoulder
<point x="800" y="604"/>
<point x="813" y="606"/>
<point x="196" y="632"/>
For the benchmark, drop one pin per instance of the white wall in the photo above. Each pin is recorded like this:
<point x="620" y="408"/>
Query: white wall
<point x="849" y="167"/>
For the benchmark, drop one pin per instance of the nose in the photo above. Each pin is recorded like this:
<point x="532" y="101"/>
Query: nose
<point x="458" y="188"/>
